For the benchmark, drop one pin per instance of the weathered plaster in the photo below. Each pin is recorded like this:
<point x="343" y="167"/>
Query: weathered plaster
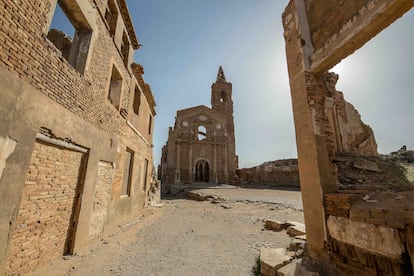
<point x="7" y="146"/>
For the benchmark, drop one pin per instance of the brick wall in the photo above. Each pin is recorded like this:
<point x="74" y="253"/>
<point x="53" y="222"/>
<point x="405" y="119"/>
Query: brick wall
<point x="26" y="51"/>
<point x="46" y="209"/>
<point x="32" y="59"/>
<point x="327" y="17"/>
<point x="102" y="199"/>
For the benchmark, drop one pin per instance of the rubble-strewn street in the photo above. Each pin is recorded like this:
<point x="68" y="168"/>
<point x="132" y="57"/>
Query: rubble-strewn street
<point x="187" y="237"/>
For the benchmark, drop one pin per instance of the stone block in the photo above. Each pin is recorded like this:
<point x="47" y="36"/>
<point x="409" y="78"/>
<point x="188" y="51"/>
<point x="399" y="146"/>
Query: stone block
<point x="296" y="229"/>
<point x="295" y="269"/>
<point x="275" y="225"/>
<point x="271" y="259"/>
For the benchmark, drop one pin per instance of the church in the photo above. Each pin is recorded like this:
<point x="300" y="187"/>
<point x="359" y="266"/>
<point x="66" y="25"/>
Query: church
<point x="201" y="146"/>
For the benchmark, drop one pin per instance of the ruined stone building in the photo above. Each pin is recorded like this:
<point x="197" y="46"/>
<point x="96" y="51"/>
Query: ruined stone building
<point x="283" y="172"/>
<point x="345" y="232"/>
<point x="201" y="146"/>
<point x="76" y="127"/>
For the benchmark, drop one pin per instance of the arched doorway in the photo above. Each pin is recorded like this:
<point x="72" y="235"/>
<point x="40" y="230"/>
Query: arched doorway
<point x="202" y="171"/>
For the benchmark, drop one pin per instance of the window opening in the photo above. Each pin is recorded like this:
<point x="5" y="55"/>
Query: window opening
<point x="115" y="88"/>
<point x="137" y="100"/>
<point x="144" y="187"/>
<point x="70" y="36"/>
<point x="223" y="97"/>
<point x="111" y="16"/>
<point x="201" y="133"/>
<point x="150" y="124"/>
<point x="125" y="48"/>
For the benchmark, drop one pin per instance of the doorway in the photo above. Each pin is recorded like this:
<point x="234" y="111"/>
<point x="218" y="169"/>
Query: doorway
<point x="202" y="171"/>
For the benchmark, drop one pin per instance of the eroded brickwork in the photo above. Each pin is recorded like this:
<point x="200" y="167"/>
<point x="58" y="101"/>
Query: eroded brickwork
<point x="336" y="120"/>
<point x="37" y="61"/>
<point x="327" y="17"/>
<point x="46" y="212"/>
<point x="358" y="232"/>
<point x="102" y="199"/>
<point x="80" y="89"/>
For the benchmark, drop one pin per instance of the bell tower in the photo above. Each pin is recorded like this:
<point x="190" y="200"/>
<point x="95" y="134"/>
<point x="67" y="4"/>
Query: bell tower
<point x="221" y="99"/>
<point x="222" y="102"/>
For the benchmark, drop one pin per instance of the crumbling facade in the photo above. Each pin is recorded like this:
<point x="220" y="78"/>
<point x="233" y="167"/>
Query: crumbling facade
<point x="201" y="146"/>
<point x="76" y="127"/>
<point x="336" y="119"/>
<point x="343" y="230"/>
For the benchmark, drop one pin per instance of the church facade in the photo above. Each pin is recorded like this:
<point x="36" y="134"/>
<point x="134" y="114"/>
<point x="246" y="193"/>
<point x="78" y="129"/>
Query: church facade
<point x="201" y="146"/>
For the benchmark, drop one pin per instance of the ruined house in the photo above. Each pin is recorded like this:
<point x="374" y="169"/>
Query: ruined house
<point x="201" y="146"/>
<point x="76" y="127"/>
<point x="351" y="235"/>
<point x="342" y="126"/>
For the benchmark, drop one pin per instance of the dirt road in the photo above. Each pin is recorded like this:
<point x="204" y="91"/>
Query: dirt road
<point x="187" y="237"/>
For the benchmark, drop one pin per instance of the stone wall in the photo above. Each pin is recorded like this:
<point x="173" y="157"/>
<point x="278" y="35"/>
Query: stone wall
<point x="201" y="146"/>
<point x="274" y="173"/>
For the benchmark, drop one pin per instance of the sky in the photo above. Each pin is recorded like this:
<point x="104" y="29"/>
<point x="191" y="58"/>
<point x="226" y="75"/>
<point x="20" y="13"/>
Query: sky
<point x="185" y="42"/>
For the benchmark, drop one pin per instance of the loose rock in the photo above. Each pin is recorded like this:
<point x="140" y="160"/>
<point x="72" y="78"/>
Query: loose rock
<point x="296" y="229"/>
<point x="271" y="259"/>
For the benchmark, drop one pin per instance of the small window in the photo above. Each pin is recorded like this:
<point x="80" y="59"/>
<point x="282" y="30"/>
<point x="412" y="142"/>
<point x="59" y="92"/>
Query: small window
<point x="125" y="48"/>
<point x="115" y="88"/>
<point x="111" y="16"/>
<point x="150" y="124"/>
<point x="144" y="187"/>
<point x="137" y="100"/>
<point x="202" y="133"/>
<point x="126" y="182"/>
<point x="71" y="34"/>
<point x="223" y="97"/>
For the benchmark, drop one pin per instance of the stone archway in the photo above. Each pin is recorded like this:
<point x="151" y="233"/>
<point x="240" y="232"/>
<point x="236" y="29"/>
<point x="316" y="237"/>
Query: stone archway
<point x="202" y="171"/>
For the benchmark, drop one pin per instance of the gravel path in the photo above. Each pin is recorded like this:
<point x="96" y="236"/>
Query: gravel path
<point x="184" y="237"/>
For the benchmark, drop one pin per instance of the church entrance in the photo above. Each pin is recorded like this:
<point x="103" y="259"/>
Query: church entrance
<point x="202" y="171"/>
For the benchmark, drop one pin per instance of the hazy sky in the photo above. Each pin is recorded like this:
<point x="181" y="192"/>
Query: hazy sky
<point x="185" y="41"/>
